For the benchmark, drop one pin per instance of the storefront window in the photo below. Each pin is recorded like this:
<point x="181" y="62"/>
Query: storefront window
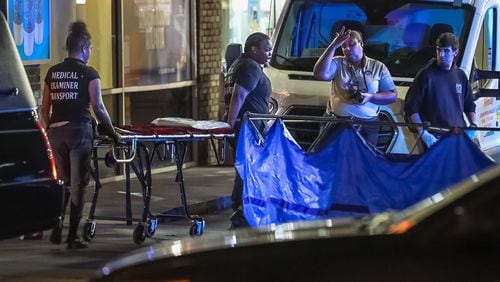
<point x="156" y="41"/>
<point x="98" y="15"/>
<point x="248" y="16"/>
<point x="144" y="107"/>
<point x="139" y="48"/>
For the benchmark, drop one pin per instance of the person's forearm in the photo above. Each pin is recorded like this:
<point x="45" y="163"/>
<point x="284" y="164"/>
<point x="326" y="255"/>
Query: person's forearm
<point x="234" y="109"/>
<point x="385" y="98"/>
<point x="237" y="99"/>
<point x="102" y="114"/>
<point x="428" y="138"/>
<point x="322" y="67"/>
<point x="415" y="118"/>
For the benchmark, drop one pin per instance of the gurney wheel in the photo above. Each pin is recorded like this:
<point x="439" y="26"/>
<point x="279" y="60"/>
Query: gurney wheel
<point x="197" y="227"/>
<point x="89" y="230"/>
<point x="139" y="236"/>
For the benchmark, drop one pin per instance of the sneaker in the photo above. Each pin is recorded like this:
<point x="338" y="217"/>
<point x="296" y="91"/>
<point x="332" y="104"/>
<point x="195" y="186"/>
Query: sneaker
<point x="76" y="243"/>
<point x="238" y="220"/>
<point x="56" y="235"/>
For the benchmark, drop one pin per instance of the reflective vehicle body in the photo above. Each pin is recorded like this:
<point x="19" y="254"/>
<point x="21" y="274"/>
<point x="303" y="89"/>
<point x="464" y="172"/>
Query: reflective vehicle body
<point x="402" y="35"/>
<point x="30" y="194"/>
<point x="453" y="235"/>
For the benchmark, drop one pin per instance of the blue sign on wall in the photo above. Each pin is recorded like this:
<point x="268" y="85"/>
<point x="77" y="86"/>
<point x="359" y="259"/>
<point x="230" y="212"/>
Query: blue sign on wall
<point x="29" y="22"/>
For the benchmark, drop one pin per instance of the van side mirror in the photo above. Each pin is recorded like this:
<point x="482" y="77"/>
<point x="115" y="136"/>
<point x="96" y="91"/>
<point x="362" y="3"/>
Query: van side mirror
<point x="486" y="77"/>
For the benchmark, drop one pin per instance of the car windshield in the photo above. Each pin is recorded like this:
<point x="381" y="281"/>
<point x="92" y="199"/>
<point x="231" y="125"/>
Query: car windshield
<point x="400" y="34"/>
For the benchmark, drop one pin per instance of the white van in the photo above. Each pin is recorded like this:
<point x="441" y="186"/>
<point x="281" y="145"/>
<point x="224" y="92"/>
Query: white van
<point x="402" y="34"/>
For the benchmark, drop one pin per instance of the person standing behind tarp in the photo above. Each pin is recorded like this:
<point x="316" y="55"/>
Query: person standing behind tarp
<point x="440" y="93"/>
<point x="71" y="87"/>
<point x="251" y="93"/>
<point x="359" y="83"/>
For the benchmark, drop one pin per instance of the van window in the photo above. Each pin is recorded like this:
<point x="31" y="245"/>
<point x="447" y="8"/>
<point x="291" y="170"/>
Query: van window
<point x="485" y="54"/>
<point x="400" y="34"/>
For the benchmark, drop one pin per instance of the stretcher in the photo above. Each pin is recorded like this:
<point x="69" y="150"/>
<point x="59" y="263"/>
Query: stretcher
<point x="168" y="142"/>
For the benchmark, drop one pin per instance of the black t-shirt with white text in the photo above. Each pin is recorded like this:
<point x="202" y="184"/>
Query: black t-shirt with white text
<point x="69" y="90"/>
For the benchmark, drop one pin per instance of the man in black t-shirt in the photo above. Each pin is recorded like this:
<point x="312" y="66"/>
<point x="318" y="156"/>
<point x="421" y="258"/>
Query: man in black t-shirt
<point x="71" y="88"/>
<point x="251" y="93"/>
<point x="441" y="93"/>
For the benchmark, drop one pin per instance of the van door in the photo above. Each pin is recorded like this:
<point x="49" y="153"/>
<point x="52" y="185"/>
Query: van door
<point x="485" y="75"/>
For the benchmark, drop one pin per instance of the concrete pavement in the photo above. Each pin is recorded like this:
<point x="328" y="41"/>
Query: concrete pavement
<point x="208" y="192"/>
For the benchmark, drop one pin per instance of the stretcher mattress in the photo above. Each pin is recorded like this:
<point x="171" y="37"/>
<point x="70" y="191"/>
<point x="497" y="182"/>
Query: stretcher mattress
<point x="149" y="130"/>
<point x="168" y="130"/>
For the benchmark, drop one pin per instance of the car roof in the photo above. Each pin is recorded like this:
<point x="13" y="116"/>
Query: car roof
<point x="15" y="89"/>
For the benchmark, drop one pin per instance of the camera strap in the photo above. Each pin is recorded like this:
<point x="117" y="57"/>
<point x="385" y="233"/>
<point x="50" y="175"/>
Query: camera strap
<point x="352" y="72"/>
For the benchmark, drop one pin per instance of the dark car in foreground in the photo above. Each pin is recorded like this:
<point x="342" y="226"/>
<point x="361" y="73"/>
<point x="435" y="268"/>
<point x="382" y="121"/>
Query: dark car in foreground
<point x="30" y="194"/>
<point x="453" y="235"/>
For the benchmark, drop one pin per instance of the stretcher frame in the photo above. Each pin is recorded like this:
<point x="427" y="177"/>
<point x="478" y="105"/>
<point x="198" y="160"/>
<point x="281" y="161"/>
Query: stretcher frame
<point x="136" y="156"/>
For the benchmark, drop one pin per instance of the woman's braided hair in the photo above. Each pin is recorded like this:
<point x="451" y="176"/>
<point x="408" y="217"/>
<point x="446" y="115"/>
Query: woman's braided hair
<point x="78" y="37"/>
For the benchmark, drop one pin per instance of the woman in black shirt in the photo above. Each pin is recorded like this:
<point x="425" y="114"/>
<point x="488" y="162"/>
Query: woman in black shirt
<point x="71" y="88"/>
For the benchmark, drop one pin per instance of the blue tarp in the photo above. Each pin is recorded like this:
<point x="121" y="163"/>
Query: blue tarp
<point x="282" y="183"/>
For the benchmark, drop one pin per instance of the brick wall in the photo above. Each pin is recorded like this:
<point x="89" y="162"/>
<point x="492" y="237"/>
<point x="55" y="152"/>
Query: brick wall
<point x="209" y="65"/>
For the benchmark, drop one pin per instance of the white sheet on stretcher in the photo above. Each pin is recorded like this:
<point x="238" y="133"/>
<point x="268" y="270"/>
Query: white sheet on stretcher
<point x="187" y="122"/>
